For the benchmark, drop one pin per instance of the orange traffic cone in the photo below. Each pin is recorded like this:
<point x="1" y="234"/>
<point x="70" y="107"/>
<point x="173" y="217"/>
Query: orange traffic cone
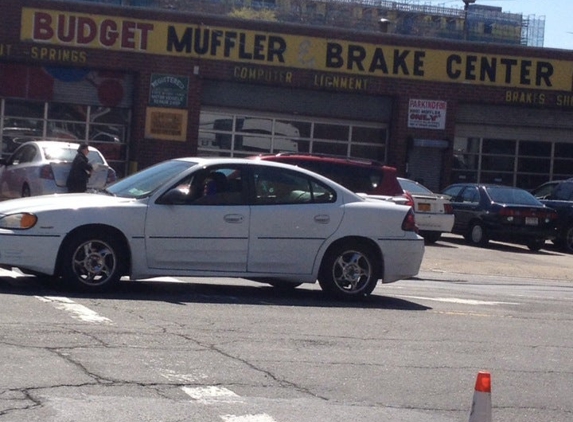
<point x="481" y="404"/>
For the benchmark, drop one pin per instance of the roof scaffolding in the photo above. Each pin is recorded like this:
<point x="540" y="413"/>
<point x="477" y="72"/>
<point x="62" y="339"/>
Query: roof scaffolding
<point x="419" y="18"/>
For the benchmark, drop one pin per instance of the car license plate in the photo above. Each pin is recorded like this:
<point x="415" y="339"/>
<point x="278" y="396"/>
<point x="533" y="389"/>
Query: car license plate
<point x="531" y="221"/>
<point x="424" y="207"/>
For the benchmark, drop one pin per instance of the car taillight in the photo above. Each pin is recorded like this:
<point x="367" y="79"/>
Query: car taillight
<point x="46" y="172"/>
<point x="544" y="215"/>
<point x="448" y="209"/>
<point x="506" y="212"/>
<point x="110" y="176"/>
<point x="409" y="223"/>
<point x="409" y="199"/>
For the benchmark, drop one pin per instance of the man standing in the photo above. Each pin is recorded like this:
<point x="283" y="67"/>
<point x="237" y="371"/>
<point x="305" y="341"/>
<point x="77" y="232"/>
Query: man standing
<point x="80" y="172"/>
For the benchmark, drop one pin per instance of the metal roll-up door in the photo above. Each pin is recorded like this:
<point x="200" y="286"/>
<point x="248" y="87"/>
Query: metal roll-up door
<point x="504" y="122"/>
<point x="345" y="106"/>
<point x="513" y="132"/>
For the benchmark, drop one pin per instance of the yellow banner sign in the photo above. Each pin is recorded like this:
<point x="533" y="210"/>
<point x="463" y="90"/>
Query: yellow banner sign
<point x="292" y="51"/>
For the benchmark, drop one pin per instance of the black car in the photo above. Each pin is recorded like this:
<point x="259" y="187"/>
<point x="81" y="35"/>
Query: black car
<point x="486" y="212"/>
<point x="558" y="194"/>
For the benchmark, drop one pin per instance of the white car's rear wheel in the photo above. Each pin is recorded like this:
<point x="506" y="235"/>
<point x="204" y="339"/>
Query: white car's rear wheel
<point x="92" y="262"/>
<point x="349" y="271"/>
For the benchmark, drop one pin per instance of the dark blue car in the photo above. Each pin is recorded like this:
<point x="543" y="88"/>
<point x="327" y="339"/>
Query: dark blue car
<point x="485" y="212"/>
<point x="558" y="194"/>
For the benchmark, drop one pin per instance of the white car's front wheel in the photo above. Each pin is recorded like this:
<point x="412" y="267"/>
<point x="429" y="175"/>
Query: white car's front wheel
<point x="92" y="262"/>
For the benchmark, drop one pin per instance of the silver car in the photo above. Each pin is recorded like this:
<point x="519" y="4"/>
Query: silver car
<point x="42" y="167"/>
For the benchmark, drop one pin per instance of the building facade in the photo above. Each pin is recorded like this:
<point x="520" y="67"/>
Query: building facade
<point x="144" y="86"/>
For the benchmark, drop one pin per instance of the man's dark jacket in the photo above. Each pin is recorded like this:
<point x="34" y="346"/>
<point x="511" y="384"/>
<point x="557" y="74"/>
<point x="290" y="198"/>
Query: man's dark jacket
<point x="79" y="174"/>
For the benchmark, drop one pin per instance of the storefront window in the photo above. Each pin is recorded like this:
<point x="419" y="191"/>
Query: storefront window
<point x="534" y="165"/>
<point x="522" y="163"/>
<point x="331" y="132"/>
<point x="230" y="134"/>
<point x="530" y="181"/>
<point x="19" y="108"/>
<point x="497" y="178"/>
<point x="103" y="127"/>
<point x="499" y="147"/>
<point x="535" y="149"/>
<point x="563" y="164"/>
<point x="304" y="128"/>
<point x="374" y="152"/>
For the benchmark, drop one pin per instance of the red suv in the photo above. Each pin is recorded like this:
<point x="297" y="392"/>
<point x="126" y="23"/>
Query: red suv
<point x="359" y="175"/>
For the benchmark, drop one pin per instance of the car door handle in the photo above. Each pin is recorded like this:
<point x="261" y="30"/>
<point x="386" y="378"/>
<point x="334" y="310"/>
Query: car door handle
<point x="234" y="218"/>
<point x="322" y="218"/>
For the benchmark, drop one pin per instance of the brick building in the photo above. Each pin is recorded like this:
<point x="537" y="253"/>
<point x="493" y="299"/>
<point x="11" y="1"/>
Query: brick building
<point x="147" y="85"/>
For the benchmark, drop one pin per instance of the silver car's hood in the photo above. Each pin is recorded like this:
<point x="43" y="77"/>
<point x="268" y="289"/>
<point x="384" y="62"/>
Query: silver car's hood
<point x="60" y="202"/>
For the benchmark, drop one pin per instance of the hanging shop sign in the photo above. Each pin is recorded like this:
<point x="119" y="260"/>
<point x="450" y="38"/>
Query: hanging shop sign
<point x="427" y="114"/>
<point x="251" y="47"/>
<point x="168" y="91"/>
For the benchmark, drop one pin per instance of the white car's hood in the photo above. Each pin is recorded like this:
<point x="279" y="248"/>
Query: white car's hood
<point x="61" y="201"/>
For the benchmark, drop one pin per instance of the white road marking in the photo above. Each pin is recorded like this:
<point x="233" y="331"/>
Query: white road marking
<point x="181" y="378"/>
<point x="10" y="273"/>
<point x="248" y="418"/>
<point x="460" y="301"/>
<point x="76" y="310"/>
<point x="211" y="394"/>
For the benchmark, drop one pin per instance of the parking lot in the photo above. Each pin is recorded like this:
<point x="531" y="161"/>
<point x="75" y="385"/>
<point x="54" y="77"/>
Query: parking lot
<point x="452" y="255"/>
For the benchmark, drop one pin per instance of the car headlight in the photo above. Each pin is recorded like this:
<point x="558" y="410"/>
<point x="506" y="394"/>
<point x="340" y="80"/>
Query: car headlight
<point x="22" y="221"/>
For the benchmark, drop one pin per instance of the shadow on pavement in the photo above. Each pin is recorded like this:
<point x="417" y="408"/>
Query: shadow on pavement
<point x="249" y="293"/>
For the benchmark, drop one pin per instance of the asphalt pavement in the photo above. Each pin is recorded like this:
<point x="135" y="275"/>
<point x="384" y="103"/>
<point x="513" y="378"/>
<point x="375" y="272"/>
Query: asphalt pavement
<point x="451" y="254"/>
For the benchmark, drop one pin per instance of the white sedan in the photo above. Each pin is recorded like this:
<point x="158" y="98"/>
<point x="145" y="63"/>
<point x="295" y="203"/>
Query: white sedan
<point x="42" y="167"/>
<point x="434" y="212"/>
<point x="214" y="217"/>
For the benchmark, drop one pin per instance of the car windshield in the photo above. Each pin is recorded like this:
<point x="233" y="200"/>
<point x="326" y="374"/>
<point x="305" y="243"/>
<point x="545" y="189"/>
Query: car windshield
<point x="145" y="182"/>
<point x="508" y="195"/>
<point x="413" y="187"/>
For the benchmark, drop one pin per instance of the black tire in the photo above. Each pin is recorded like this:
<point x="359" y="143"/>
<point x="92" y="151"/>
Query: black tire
<point x="26" y="191"/>
<point x="566" y="239"/>
<point x="430" y="237"/>
<point x="477" y="235"/>
<point x="536" y="244"/>
<point x="349" y="271"/>
<point x="92" y="261"/>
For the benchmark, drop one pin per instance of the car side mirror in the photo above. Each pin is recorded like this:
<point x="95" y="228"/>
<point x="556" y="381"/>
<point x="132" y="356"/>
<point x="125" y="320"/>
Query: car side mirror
<point x="175" y="196"/>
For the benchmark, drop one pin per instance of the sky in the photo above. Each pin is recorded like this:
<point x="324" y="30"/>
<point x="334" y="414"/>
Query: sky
<point x="558" y="16"/>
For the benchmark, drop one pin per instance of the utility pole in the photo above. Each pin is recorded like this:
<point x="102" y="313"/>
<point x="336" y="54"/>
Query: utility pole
<point x="466" y="26"/>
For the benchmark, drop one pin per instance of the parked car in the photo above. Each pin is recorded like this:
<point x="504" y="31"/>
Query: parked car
<point x="558" y="194"/>
<point x="365" y="177"/>
<point x="214" y="217"/>
<point x="42" y="167"/>
<point x="486" y="212"/>
<point x="434" y="212"/>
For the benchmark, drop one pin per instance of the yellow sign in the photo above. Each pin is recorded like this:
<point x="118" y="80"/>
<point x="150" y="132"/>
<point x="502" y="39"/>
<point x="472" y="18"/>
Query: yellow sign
<point x="249" y="47"/>
<point x="166" y="123"/>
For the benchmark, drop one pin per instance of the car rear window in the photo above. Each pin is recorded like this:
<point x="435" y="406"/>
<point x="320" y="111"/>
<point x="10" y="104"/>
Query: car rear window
<point x="563" y="192"/>
<point x="354" y="178"/>
<point x="56" y="153"/>
<point x="413" y="187"/>
<point x="508" y="195"/>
